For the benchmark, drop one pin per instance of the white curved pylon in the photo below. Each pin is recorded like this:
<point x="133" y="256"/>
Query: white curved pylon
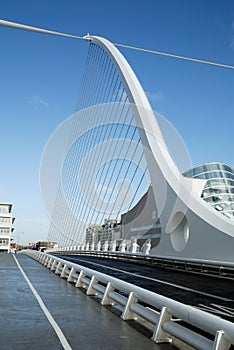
<point x="191" y="228"/>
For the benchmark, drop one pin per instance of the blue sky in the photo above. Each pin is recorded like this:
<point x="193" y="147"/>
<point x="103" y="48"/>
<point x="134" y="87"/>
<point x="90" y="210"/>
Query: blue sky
<point x="40" y="77"/>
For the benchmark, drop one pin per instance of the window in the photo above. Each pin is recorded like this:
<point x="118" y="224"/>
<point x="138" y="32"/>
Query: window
<point x="3" y="209"/>
<point x="5" y="220"/>
<point x="4" y="230"/>
<point x="4" y="242"/>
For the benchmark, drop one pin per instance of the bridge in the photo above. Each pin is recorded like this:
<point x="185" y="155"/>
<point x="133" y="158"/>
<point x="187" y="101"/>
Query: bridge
<point x="41" y="311"/>
<point x="110" y="183"/>
<point x="116" y="183"/>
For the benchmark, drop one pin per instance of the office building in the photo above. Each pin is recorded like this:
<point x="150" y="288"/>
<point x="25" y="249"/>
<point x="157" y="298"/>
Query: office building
<point x="6" y="227"/>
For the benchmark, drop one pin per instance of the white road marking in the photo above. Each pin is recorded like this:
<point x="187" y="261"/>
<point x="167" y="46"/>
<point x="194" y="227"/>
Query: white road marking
<point x="217" y="309"/>
<point x="48" y="315"/>
<point x="161" y="281"/>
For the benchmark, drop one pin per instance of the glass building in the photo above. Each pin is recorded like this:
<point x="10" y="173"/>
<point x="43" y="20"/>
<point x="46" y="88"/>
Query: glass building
<point x="219" y="187"/>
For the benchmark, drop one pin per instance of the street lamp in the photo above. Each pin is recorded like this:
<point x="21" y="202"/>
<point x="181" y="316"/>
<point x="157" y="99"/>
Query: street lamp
<point x="18" y="238"/>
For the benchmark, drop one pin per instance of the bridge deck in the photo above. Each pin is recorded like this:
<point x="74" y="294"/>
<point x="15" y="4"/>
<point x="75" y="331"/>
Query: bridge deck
<point x="80" y="322"/>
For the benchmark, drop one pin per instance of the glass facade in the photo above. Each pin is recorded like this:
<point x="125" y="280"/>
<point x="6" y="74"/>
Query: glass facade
<point x="219" y="187"/>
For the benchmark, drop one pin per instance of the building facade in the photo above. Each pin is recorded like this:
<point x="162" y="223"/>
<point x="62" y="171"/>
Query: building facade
<point x="219" y="187"/>
<point x="102" y="234"/>
<point x="141" y="223"/>
<point x="6" y="227"/>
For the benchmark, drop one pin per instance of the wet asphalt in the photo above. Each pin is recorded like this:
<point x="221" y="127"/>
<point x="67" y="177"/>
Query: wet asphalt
<point x="83" y="322"/>
<point x="209" y="293"/>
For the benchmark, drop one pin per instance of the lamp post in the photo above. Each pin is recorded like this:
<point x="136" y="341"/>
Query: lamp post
<point x="18" y="238"/>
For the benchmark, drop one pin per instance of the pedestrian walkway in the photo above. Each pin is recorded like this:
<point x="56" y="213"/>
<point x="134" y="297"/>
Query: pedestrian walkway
<point x="39" y="310"/>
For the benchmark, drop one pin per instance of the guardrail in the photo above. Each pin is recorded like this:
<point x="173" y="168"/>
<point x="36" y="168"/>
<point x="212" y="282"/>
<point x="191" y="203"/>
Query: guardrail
<point x="210" y="268"/>
<point x="167" y="317"/>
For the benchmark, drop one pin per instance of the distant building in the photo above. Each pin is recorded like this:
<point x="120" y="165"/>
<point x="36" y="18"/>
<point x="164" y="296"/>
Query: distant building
<point x="141" y="223"/>
<point x="6" y="227"/>
<point x="42" y="245"/>
<point x="108" y="232"/>
<point x="219" y="187"/>
<point x="94" y="234"/>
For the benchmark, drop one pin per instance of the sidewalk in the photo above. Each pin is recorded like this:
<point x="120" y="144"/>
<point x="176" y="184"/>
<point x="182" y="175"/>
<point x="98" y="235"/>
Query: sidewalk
<point x="83" y="323"/>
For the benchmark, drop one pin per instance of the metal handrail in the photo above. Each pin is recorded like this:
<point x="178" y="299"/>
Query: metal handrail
<point x="220" y="269"/>
<point x="162" y="312"/>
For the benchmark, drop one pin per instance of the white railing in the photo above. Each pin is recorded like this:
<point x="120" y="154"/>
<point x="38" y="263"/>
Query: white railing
<point x="169" y="319"/>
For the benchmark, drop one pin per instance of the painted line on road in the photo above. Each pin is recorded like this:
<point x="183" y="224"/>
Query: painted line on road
<point x="48" y="315"/>
<point x="159" y="281"/>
